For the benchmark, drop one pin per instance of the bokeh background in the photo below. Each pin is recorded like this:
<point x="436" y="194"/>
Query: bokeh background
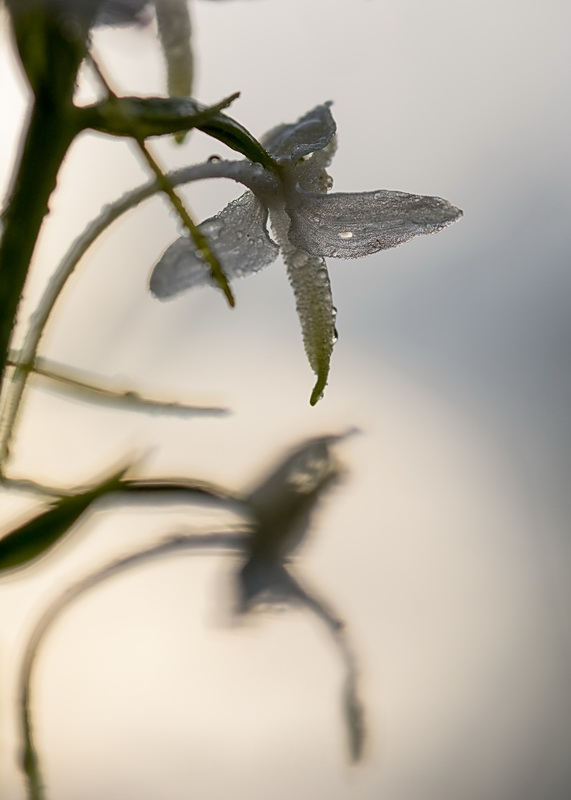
<point x="447" y="549"/>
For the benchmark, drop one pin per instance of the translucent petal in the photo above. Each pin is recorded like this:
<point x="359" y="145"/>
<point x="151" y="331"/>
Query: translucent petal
<point x="355" y="225"/>
<point x="237" y="236"/>
<point x="290" y="142"/>
<point x="310" y="173"/>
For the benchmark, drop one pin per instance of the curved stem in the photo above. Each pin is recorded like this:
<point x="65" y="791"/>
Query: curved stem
<point x="30" y="760"/>
<point x="230" y="541"/>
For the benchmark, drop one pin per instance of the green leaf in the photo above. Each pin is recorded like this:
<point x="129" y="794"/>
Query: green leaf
<point x="235" y="136"/>
<point x="34" y="538"/>
<point x="157" y="116"/>
<point x="150" y="116"/>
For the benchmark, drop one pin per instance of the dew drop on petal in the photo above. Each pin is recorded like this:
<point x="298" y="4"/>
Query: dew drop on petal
<point x="214" y="159"/>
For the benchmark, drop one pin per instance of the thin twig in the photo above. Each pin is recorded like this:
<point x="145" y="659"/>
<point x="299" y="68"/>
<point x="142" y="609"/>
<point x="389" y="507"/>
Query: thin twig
<point x="54" y="372"/>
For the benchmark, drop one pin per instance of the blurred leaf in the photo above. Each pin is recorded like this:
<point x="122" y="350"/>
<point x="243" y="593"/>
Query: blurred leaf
<point x="34" y="538"/>
<point x="173" y="20"/>
<point x="178" y="489"/>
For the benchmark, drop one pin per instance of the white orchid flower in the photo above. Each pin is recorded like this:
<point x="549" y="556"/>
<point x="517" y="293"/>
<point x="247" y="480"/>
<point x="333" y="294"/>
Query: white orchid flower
<point x="308" y="225"/>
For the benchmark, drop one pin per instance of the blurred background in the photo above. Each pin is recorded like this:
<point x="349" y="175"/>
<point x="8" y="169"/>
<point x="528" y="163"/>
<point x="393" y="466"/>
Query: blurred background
<point x="447" y="548"/>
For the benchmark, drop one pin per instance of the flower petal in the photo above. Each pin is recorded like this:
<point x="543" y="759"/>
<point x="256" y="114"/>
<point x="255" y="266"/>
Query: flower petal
<point x="290" y="142"/>
<point x="238" y="238"/>
<point x="355" y="225"/>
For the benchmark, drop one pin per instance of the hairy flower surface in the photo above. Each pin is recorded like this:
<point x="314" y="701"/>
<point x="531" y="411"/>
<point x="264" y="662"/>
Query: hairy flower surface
<point x="308" y="225"/>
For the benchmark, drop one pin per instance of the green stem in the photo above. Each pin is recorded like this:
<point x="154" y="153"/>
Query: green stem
<point x="51" y="129"/>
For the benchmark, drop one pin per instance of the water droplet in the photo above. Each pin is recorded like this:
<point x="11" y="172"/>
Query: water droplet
<point x="335" y="336"/>
<point x="214" y="159"/>
<point x="213" y="227"/>
<point x="345" y="234"/>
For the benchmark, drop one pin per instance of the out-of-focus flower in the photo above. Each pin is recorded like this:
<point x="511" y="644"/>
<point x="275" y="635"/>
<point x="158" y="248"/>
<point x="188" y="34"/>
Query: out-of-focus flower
<point x="281" y="508"/>
<point x="308" y="224"/>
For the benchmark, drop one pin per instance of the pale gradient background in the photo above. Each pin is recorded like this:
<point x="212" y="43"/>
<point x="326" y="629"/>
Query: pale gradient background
<point x="448" y="548"/>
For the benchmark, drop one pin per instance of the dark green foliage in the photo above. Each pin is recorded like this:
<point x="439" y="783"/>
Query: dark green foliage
<point x="35" y="538"/>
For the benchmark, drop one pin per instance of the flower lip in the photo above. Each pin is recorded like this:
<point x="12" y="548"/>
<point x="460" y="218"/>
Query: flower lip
<point x="289" y="143"/>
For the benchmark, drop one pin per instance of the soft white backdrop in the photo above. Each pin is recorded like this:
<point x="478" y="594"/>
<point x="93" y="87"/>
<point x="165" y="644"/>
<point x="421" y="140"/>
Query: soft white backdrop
<point x="447" y="550"/>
